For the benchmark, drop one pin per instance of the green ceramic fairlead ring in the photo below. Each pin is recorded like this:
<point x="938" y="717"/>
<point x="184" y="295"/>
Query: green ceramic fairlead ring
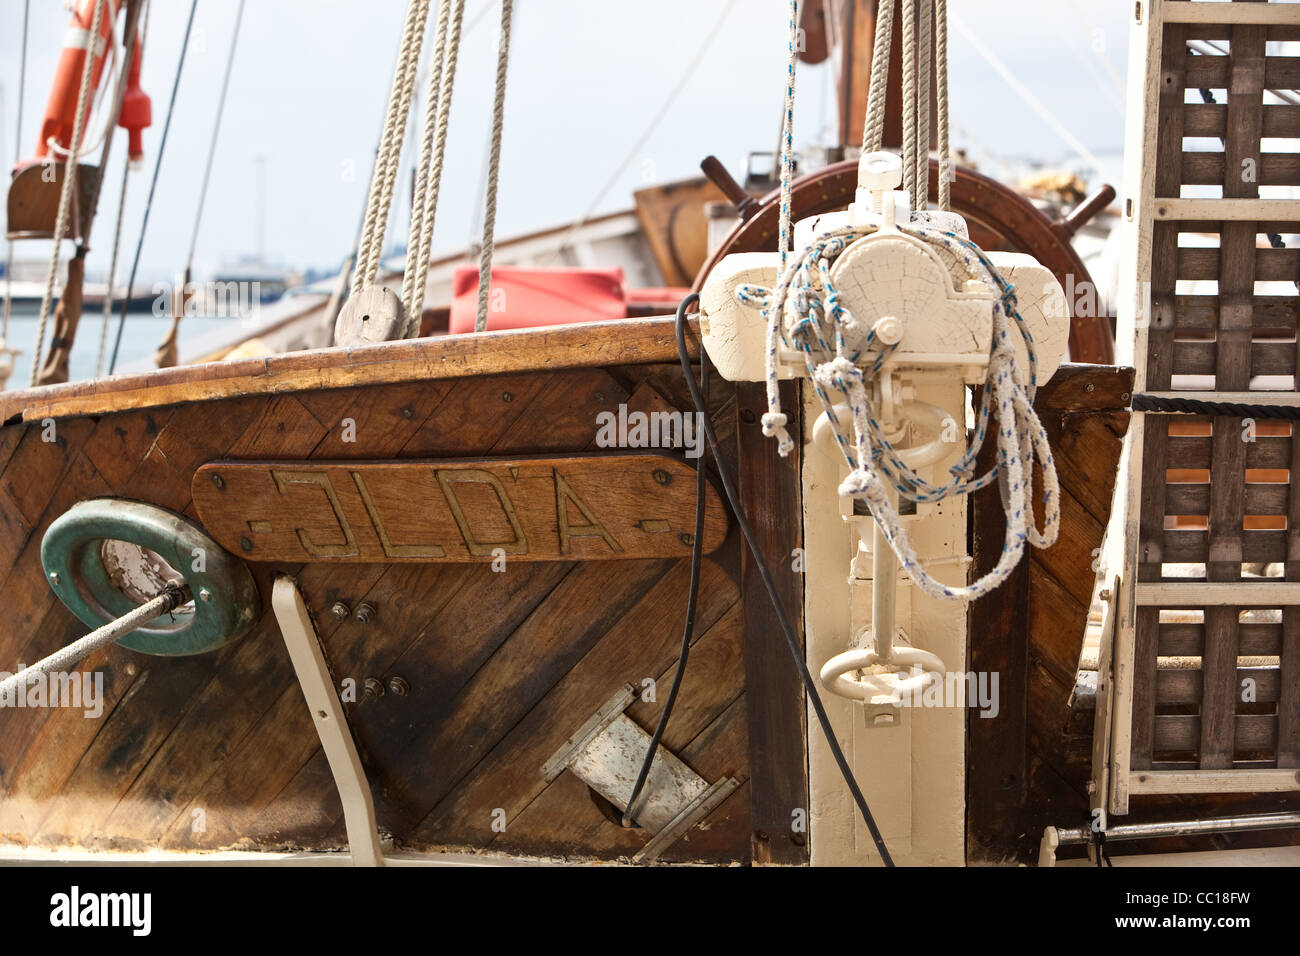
<point x="226" y="601"/>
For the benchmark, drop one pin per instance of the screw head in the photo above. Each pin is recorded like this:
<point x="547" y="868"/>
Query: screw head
<point x="365" y="613"/>
<point x="374" y="687"/>
<point x="205" y="595"/>
<point x="340" y="611"/>
<point x="246" y="544"/>
<point x="399" y="686"/>
<point x="54" y="577"/>
<point x="661" y="477"/>
<point x="507" y="397"/>
<point x="218" y="481"/>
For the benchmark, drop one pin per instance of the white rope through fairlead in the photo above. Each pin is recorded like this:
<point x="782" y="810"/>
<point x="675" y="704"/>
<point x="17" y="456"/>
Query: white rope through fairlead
<point x="806" y="313"/>
<point x="72" y="654"/>
<point x="65" y="194"/>
<point x="916" y="96"/>
<point x="494" y="168"/>
<point x="389" y="154"/>
<point x="433" y="149"/>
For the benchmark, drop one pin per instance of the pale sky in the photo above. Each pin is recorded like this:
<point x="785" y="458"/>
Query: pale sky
<point x="311" y="83"/>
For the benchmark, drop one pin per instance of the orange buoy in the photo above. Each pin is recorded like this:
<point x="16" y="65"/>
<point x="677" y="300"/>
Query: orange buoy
<point x="61" y="110"/>
<point x="136" y="112"/>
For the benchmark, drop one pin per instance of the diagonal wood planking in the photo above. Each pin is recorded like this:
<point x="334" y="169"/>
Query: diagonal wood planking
<point x="226" y="733"/>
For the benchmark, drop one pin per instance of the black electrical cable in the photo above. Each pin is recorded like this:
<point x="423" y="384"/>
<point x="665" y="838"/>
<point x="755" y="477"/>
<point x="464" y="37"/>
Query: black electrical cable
<point x="792" y="642"/>
<point x="688" y="632"/>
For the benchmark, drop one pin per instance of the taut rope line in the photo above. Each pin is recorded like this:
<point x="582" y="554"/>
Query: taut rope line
<point x="494" y="168"/>
<point x="65" y="194"/>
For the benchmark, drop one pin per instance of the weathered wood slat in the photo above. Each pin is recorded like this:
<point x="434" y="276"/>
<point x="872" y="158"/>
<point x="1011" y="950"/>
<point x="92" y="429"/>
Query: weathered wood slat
<point x="1195" y="499"/>
<point x="1246" y="732"/>
<point x="1276" y="265"/>
<point x="777" y="723"/>
<point x="1268" y="312"/>
<point x="1188" y="640"/>
<point x="1209" y="119"/>
<point x="1184" y="686"/>
<point x="1211" y="169"/>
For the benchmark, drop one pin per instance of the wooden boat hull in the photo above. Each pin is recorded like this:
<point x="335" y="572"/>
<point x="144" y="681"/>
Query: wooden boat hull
<point x="219" y="750"/>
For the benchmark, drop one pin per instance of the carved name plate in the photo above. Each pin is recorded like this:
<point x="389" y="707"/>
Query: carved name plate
<point x="578" y="508"/>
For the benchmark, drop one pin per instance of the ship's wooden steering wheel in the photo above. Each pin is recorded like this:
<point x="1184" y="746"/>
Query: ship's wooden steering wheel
<point x="999" y="218"/>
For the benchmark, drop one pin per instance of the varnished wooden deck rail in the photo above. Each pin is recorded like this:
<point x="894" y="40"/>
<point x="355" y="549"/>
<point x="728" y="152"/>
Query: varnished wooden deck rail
<point x="590" y="345"/>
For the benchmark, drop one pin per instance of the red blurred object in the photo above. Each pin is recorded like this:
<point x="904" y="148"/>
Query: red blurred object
<point x="137" y="111"/>
<point x="61" y="110"/>
<point x="657" y="298"/>
<point x="521" y="297"/>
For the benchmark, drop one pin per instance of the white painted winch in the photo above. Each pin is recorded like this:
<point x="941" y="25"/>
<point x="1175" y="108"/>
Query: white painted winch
<point x="889" y="315"/>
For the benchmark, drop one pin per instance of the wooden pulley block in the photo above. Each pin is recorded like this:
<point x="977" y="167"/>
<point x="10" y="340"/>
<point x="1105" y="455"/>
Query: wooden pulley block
<point x="372" y="315"/>
<point x="33" y="206"/>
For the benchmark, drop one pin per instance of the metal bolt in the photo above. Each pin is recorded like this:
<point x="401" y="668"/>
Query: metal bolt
<point x="374" y="687"/>
<point x="219" y="481"/>
<point x="205" y="595"/>
<point x="662" y="477"/>
<point x="748" y="417"/>
<point x="340" y="610"/>
<point x="365" y="613"/>
<point x="687" y="539"/>
<point x="408" y="412"/>
<point x="399" y="686"/>
<point x="1104" y="594"/>
<point x="1090" y="387"/>
<point x="507" y="397"/>
<point x="54" y="577"/>
<point x="246" y="544"/>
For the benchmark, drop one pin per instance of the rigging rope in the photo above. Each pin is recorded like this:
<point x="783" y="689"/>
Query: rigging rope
<point x="67" y="657"/>
<point x="121" y="201"/>
<point x="873" y="130"/>
<point x="390" y="147"/>
<point x="921" y="198"/>
<point x="690" y="64"/>
<point x="494" y="168"/>
<point x="216" y="129"/>
<point x="433" y="150"/>
<point x="787" y="137"/>
<point x="18" y="146"/>
<point x="941" y="81"/>
<point x="65" y="194"/>
<point x="112" y="271"/>
<point x="153" y="185"/>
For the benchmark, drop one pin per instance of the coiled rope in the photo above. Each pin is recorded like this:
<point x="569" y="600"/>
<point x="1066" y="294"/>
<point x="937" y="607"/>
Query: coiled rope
<point x="805" y="312"/>
<point x="64" y="214"/>
<point x="494" y="168"/>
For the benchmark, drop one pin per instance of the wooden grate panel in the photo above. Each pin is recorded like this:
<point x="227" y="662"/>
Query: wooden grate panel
<point x="1218" y="687"/>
